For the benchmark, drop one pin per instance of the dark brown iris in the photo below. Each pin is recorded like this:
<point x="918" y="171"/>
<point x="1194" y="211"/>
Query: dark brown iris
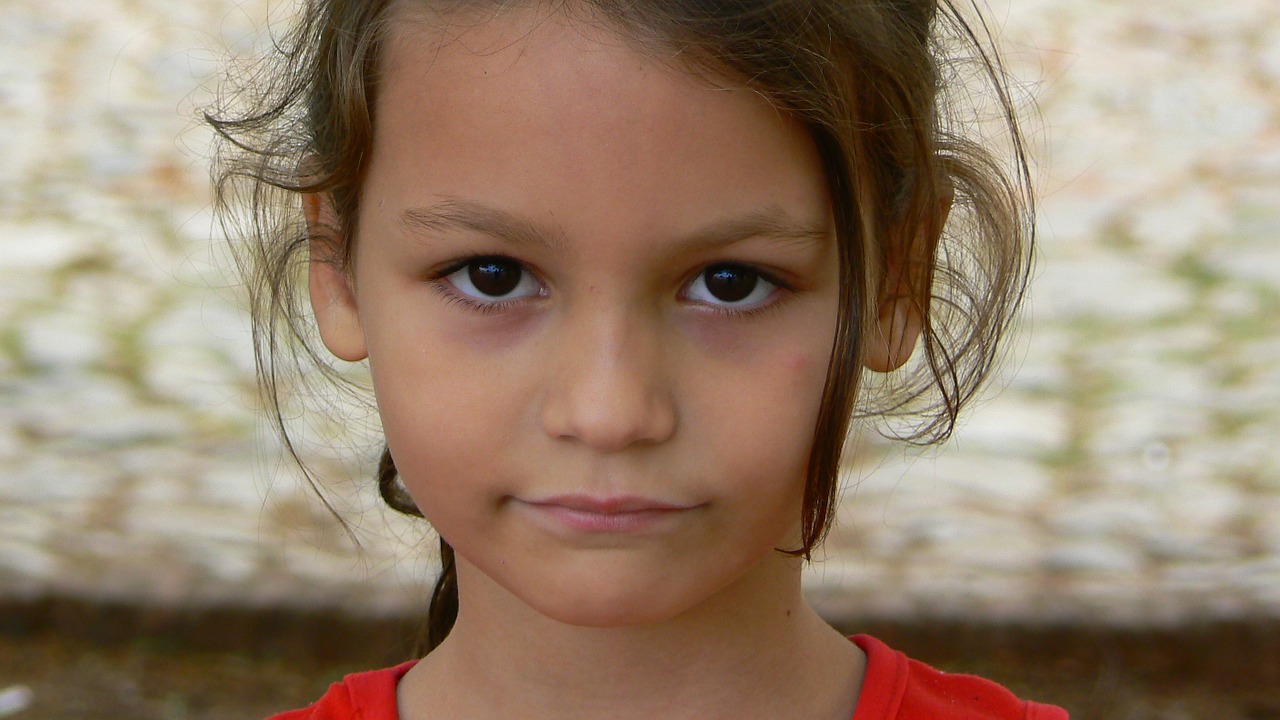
<point x="730" y="283"/>
<point x="495" y="276"/>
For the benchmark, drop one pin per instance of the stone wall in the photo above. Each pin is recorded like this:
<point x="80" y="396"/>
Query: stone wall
<point x="1129" y="471"/>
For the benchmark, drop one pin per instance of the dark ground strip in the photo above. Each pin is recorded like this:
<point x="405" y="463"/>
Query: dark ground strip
<point x="101" y="661"/>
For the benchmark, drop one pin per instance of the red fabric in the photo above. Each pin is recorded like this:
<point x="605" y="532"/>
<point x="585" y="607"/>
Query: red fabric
<point x="895" y="688"/>
<point x="898" y="688"/>
<point x="361" y="696"/>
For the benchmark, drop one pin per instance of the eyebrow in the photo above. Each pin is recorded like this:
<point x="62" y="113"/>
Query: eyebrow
<point x="453" y="214"/>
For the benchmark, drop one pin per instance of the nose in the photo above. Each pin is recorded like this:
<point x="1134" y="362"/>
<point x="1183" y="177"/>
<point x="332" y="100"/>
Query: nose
<point x="608" y="388"/>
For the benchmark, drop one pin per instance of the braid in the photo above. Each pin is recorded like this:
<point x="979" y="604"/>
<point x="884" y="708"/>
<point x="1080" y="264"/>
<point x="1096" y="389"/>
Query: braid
<point x="391" y="489"/>
<point x="443" y="611"/>
<point x="444" y="600"/>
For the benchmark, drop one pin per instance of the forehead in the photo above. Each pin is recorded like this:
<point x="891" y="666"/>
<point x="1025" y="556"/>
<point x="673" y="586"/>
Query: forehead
<point x="543" y="64"/>
<point x="533" y="109"/>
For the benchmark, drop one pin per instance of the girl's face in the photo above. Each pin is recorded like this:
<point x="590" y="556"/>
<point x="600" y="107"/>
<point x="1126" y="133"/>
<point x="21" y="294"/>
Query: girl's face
<point x="598" y="298"/>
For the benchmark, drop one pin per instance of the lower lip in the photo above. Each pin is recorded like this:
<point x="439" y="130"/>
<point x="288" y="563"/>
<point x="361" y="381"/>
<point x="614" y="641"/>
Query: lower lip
<point x="634" y="521"/>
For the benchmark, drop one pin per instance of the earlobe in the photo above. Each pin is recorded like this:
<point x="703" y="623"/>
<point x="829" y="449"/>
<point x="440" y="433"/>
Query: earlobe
<point x="898" y="327"/>
<point x="904" y="296"/>
<point x="332" y="296"/>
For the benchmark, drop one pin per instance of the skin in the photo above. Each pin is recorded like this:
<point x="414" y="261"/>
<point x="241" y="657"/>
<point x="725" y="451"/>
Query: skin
<point x="611" y="373"/>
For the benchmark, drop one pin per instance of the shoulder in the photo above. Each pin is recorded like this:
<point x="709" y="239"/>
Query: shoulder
<point x="899" y="688"/>
<point x="360" y="696"/>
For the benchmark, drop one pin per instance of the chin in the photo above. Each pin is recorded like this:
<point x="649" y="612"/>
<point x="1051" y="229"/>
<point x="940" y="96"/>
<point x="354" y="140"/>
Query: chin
<point x="611" y="607"/>
<point x="615" y="597"/>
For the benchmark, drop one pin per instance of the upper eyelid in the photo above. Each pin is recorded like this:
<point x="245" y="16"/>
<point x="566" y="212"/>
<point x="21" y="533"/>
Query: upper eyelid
<point x="455" y="267"/>
<point x="771" y="276"/>
<point x="764" y="273"/>
<point x="452" y="266"/>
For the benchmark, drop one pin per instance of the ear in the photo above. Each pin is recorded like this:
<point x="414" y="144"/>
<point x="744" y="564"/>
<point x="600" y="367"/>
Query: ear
<point x="904" y="296"/>
<point x="893" y="340"/>
<point x="333" y="298"/>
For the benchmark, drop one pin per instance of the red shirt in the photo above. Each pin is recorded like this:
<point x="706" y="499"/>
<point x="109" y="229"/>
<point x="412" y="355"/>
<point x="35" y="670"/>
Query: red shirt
<point x="895" y="688"/>
<point x="899" y="688"/>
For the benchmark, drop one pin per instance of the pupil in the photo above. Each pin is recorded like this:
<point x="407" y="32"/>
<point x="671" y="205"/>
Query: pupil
<point x="730" y="283"/>
<point x="494" y="277"/>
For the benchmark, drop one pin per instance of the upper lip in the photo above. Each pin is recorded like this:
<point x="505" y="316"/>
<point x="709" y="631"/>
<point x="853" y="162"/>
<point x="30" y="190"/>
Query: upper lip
<point x="607" y="505"/>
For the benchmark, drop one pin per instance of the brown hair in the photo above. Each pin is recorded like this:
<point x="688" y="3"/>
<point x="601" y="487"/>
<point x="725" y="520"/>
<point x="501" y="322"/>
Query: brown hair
<point x="875" y="82"/>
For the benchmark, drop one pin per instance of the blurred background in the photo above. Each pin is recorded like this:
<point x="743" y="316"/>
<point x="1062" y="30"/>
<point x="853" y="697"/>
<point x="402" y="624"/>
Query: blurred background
<point x="1103" y="529"/>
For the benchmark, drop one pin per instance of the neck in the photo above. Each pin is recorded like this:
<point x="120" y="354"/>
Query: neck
<point x="756" y="649"/>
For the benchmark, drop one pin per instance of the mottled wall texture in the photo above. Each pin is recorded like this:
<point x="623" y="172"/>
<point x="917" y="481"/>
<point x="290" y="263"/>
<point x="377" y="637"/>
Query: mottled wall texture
<point x="1128" y="472"/>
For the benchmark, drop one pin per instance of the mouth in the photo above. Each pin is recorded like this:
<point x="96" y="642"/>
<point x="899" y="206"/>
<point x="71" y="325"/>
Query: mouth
<point x="605" y="514"/>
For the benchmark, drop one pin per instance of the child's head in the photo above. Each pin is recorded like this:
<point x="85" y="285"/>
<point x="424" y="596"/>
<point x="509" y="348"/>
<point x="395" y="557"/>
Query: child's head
<point x="639" y="251"/>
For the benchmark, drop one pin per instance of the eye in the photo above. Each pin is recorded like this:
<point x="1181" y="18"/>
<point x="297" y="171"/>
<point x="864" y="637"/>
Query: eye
<point x="731" y="286"/>
<point x="494" y="279"/>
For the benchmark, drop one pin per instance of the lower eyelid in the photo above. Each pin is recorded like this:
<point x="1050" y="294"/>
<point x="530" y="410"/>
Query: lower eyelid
<point x="755" y="311"/>
<point x="452" y="296"/>
<point x="774" y="301"/>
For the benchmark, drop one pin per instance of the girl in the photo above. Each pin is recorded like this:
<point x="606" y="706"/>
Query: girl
<point x="617" y="267"/>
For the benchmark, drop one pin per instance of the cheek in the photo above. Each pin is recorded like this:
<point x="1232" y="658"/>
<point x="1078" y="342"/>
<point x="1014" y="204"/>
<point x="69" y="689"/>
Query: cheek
<point x="802" y="377"/>
<point x="766" y="418"/>
<point x="442" y="416"/>
<point x="435" y="383"/>
<point x="799" y="375"/>
<point x="807" y="376"/>
<point x="805" y="373"/>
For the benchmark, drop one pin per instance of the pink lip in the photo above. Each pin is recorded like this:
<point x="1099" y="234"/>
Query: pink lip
<point x="612" y="514"/>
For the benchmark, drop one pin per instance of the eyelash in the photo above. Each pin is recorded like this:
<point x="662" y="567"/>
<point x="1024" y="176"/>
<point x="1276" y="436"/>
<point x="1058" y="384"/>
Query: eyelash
<point x="749" y="312"/>
<point x="777" y="297"/>
<point x="451" y="294"/>
<point x="453" y="297"/>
